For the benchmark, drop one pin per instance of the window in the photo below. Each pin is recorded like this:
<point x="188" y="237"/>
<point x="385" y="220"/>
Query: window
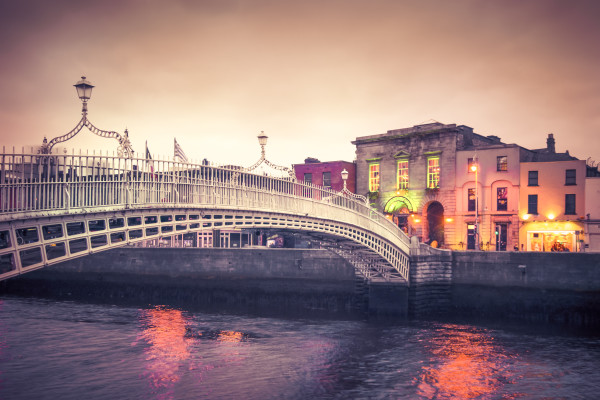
<point x="571" y="177"/>
<point x="533" y="179"/>
<point x="501" y="199"/>
<point x="327" y="179"/>
<point x="402" y="174"/>
<point x="307" y="178"/>
<point x="570" y="204"/>
<point x="471" y="200"/>
<point x="470" y="164"/>
<point x="373" y="177"/>
<point x="433" y="172"/>
<point x="502" y="163"/>
<point x="532" y="203"/>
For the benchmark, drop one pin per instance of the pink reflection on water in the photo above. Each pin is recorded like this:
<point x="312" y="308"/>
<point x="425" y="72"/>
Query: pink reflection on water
<point x="466" y="363"/>
<point x="230" y="336"/>
<point x="167" y="348"/>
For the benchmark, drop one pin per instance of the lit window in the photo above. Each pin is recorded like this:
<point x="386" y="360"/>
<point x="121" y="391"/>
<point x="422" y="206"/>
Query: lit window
<point x="501" y="199"/>
<point x="571" y="177"/>
<point x="471" y="200"/>
<point x="327" y="179"/>
<point x="373" y="177"/>
<point x="502" y="163"/>
<point x="433" y="172"/>
<point x="402" y="174"/>
<point x="570" y="204"/>
<point x="532" y="204"/>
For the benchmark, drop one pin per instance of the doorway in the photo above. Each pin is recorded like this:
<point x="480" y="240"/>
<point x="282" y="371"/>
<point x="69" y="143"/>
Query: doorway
<point x="435" y="222"/>
<point x="471" y="236"/>
<point x="501" y="236"/>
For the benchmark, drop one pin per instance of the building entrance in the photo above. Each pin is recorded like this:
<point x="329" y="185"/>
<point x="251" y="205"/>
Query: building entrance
<point x="501" y="236"/>
<point x="435" y="222"/>
<point x="471" y="237"/>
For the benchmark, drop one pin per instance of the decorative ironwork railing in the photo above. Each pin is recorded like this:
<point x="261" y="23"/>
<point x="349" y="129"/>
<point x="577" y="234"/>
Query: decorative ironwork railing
<point x="33" y="185"/>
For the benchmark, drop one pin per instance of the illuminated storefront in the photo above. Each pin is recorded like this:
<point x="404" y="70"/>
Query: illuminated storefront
<point x="552" y="236"/>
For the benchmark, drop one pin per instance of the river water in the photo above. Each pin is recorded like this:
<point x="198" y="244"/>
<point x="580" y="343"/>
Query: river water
<point x="73" y="350"/>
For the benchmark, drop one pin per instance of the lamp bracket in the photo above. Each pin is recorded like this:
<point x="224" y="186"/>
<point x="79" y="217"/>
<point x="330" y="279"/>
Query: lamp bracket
<point x="124" y="149"/>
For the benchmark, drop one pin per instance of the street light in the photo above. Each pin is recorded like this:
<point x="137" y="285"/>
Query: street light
<point x="475" y="168"/>
<point x="345" y="178"/>
<point x="84" y="92"/>
<point x="262" y="141"/>
<point x="347" y="192"/>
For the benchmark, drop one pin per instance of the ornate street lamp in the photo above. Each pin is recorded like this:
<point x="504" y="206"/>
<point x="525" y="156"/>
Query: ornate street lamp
<point x="84" y="91"/>
<point x="346" y="192"/>
<point x="345" y="178"/>
<point x="262" y="141"/>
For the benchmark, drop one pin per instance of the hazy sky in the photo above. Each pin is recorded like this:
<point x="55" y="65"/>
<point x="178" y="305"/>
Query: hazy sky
<point x="313" y="75"/>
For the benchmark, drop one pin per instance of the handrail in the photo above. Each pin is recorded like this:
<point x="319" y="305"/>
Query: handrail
<point x="34" y="184"/>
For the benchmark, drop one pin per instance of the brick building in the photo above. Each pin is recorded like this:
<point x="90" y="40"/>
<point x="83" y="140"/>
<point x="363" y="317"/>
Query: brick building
<point x="327" y="174"/>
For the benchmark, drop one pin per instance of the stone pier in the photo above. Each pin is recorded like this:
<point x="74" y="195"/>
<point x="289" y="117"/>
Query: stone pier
<point x="430" y="280"/>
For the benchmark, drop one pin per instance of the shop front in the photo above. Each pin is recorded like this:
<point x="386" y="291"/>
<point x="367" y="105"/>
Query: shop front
<point x="555" y="236"/>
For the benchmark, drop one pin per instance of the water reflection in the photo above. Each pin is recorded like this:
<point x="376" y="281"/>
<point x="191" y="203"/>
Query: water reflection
<point x="465" y="363"/>
<point x="164" y="330"/>
<point x="230" y="336"/>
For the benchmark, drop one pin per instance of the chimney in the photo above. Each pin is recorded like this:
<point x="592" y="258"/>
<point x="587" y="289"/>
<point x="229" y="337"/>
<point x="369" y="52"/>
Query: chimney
<point x="550" y="143"/>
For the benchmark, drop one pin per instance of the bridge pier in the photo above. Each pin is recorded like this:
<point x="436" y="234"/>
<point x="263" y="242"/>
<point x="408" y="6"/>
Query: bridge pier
<point x="388" y="299"/>
<point x="430" y="280"/>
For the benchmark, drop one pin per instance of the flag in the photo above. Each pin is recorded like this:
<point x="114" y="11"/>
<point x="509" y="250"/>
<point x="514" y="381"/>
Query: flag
<point x="179" y="152"/>
<point x="149" y="161"/>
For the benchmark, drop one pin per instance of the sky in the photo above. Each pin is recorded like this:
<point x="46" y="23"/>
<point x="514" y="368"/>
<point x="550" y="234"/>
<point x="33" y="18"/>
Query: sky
<point x="312" y="74"/>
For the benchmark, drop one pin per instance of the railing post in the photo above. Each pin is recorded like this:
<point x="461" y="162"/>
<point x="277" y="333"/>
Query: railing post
<point x="67" y="193"/>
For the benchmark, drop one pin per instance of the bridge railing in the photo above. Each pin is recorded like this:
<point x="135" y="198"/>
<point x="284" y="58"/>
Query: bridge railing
<point x="34" y="183"/>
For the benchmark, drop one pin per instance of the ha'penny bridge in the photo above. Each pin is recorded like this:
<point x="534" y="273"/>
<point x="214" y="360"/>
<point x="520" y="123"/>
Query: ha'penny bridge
<point x="56" y="206"/>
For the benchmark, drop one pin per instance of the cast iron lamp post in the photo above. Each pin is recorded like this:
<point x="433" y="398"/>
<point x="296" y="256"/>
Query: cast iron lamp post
<point x="346" y="192"/>
<point x="262" y="141"/>
<point x="475" y="168"/>
<point x="84" y="91"/>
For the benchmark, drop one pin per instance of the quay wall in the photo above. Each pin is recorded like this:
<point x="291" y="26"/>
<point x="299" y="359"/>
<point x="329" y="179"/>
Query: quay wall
<point x="553" y="287"/>
<point x="281" y="279"/>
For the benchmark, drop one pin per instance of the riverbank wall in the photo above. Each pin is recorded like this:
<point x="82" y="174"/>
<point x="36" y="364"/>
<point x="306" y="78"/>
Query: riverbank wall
<point x="551" y="287"/>
<point x="260" y="278"/>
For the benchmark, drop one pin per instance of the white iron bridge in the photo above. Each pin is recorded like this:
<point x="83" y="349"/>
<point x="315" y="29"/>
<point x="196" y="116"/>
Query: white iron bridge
<point x="58" y="207"/>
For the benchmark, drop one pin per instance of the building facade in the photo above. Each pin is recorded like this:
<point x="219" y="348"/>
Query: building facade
<point x="410" y="175"/>
<point x="457" y="189"/>
<point x="487" y="197"/>
<point x="552" y="205"/>
<point x="592" y="209"/>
